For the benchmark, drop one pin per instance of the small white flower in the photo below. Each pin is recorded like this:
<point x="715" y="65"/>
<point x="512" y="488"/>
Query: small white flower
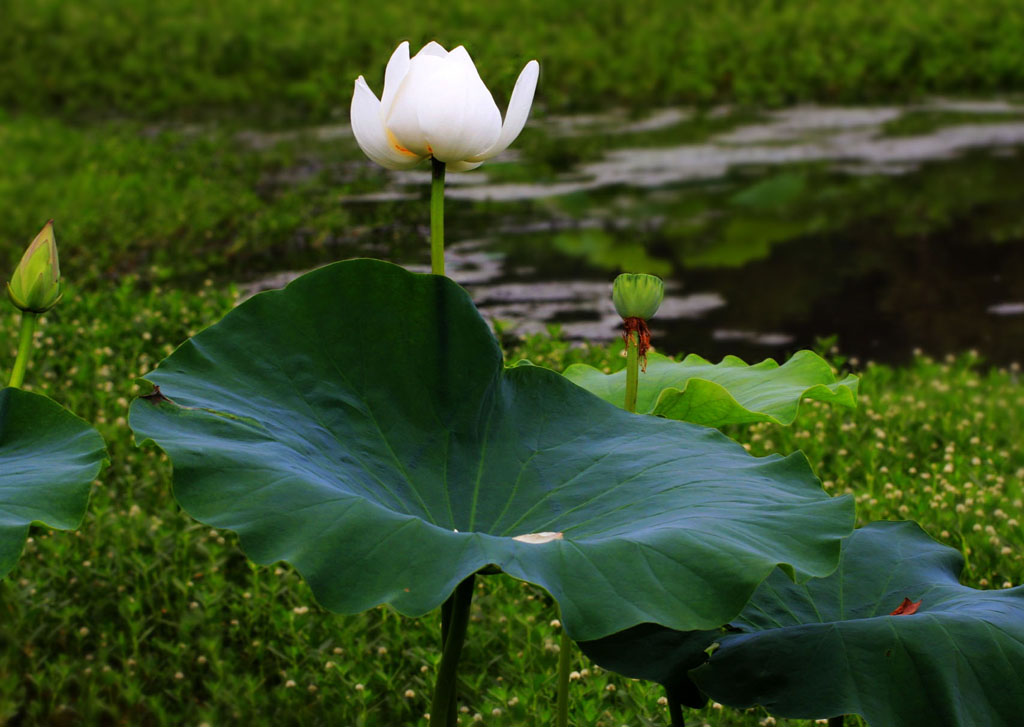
<point x="436" y="105"/>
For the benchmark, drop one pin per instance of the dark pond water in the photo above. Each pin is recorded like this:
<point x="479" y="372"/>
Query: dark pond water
<point x="891" y="228"/>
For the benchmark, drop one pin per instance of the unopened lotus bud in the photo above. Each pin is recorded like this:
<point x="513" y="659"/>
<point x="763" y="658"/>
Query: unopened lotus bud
<point x="637" y="295"/>
<point x="35" y="286"/>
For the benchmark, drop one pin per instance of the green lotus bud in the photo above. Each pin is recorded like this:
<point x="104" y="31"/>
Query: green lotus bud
<point x="35" y="286"/>
<point x="637" y="295"/>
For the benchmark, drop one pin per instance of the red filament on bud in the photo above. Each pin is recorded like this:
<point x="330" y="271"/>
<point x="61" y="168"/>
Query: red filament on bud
<point x="643" y="338"/>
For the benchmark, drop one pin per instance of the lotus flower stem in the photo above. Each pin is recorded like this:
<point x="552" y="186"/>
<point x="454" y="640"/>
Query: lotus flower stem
<point x="437" y="217"/>
<point x="28" y="326"/>
<point x="564" y="662"/>
<point x="632" y="371"/>
<point x="442" y="708"/>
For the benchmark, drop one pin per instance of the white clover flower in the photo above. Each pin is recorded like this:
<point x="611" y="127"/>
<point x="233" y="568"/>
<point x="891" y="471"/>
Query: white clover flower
<point x="436" y="105"/>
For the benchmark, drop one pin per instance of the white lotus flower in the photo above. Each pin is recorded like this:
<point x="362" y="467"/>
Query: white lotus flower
<point x="435" y="105"/>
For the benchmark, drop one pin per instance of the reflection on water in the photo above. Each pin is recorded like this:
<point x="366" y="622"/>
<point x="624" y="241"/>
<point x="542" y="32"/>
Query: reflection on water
<point x="893" y="228"/>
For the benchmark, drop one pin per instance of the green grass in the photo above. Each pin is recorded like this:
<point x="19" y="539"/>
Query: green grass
<point x="145" y="617"/>
<point x="127" y="199"/>
<point x="277" y="61"/>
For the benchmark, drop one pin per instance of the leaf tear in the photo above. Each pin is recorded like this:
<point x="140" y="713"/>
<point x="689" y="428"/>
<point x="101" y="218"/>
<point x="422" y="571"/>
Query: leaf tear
<point x="156" y="396"/>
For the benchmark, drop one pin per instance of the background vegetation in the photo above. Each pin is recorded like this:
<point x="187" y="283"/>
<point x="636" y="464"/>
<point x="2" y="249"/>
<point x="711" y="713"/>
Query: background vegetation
<point x="296" y="59"/>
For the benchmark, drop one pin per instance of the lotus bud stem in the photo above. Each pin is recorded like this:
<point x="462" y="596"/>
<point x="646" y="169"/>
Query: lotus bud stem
<point x="28" y="326"/>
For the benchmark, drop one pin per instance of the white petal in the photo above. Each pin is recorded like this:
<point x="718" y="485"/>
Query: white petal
<point x="372" y="137"/>
<point x="433" y="48"/>
<point x="398" y="66"/>
<point x="461" y="55"/>
<point x="458" y="115"/>
<point x="461" y="166"/>
<point x="518" y="110"/>
<point x="402" y="118"/>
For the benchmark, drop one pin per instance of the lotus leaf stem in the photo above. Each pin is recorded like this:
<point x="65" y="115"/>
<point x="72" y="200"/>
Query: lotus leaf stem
<point x="675" y="712"/>
<point x="564" y="662"/>
<point x="442" y="708"/>
<point x="437" y="217"/>
<point x="446" y="625"/>
<point x="28" y="326"/>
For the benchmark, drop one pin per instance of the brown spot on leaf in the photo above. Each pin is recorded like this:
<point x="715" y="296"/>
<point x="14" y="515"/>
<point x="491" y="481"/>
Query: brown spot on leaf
<point x="906" y="608"/>
<point x="156" y="397"/>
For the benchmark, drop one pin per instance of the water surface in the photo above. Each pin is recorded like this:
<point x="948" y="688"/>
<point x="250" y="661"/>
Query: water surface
<point x="892" y="228"/>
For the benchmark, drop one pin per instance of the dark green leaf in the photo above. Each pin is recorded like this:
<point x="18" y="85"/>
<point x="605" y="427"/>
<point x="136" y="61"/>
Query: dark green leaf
<point x="48" y="459"/>
<point x="360" y="425"/>
<point x="831" y="647"/>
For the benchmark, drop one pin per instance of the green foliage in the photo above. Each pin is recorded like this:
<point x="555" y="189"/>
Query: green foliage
<point x="297" y="60"/>
<point x="48" y="459"/>
<point x="128" y="199"/>
<point x="360" y="426"/>
<point x="174" y="626"/>
<point x="729" y="392"/>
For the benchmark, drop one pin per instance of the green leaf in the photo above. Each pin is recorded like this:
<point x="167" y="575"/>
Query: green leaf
<point x="48" y="459"/>
<point x="360" y="425"/>
<point x="731" y="392"/>
<point x="831" y="647"/>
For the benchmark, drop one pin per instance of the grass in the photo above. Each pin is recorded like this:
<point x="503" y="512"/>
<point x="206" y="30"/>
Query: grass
<point x="283" y="62"/>
<point x="144" y="617"/>
<point x="163" y="203"/>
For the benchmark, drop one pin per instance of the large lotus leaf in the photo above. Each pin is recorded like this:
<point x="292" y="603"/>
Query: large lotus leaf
<point x="360" y="425"/>
<point x="831" y="647"/>
<point x="48" y="459"/>
<point x="731" y="392"/>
